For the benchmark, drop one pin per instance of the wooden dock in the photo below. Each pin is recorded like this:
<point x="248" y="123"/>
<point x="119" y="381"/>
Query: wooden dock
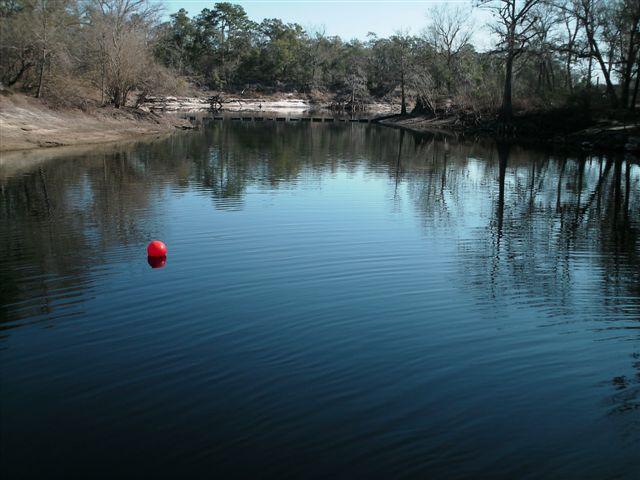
<point x="285" y="119"/>
<point x="290" y="119"/>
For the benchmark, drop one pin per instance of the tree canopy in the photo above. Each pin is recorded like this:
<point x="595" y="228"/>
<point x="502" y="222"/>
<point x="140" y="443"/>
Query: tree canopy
<point x="547" y="52"/>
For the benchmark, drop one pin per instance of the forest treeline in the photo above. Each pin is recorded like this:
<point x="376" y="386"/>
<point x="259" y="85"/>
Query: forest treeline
<point x="546" y="53"/>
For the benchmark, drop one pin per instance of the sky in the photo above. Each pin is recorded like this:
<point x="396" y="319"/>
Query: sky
<point x="347" y="18"/>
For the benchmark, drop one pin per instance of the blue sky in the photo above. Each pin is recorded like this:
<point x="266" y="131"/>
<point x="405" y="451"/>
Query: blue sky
<point x="348" y="19"/>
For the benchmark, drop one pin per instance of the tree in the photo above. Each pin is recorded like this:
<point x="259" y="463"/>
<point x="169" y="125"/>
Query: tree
<point x="119" y="31"/>
<point x="626" y="17"/>
<point x="176" y="42"/>
<point x="542" y="52"/>
<point x="515" y="22"/>
<point x="568" y="44"/>
<point x="33" y="35"/>
<point x="224" y="38"/>
<point x="449" y="33"/>
<point x="49" y="17"/>
<point x="401" y="47"/>
<point x="590" y="14"/>
<point x="282" y="53"/>
<point x="18" y="49"/>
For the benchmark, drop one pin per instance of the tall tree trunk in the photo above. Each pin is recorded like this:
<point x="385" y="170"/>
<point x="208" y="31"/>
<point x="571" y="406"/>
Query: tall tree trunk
<point x="572" y="39"/>
<point x="43" y="60"/>
<point x="222" y="46"/>
<point x="590" y="72"/>
<point x="628" y="68"/>
<point x="506" y="113"/>
<point x="117" y="97"/>
<point x="539" y="84"/>
<point x="448" y="74"/>
<point x="403" y="106"/>
<point x="611" y="93"/>
<point x="634" y="98"/>
<point x="41" y="73"/>
<point x="102" y="74"/>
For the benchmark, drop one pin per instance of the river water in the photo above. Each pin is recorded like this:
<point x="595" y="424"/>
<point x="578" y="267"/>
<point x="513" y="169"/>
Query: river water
<point x="339" y="301"/>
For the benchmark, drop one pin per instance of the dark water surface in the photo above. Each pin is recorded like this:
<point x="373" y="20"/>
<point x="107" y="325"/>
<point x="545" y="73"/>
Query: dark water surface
<point x="339" y="301"/>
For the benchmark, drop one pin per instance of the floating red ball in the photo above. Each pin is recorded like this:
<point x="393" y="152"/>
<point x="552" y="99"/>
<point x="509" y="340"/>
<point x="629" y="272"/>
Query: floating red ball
<point x="156" y="249"/>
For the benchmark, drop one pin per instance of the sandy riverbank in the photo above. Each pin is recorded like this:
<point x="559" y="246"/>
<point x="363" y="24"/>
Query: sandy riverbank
<point x="27" y="123"/>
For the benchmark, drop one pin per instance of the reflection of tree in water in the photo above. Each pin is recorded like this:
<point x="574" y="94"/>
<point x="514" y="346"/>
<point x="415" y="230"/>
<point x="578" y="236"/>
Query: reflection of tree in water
<point x="239" y="156"/>
<point x="544" y="221"/>
<point x="435" y="185"/>
<point x="544" y="208"/>
<point x="61" y="218"/>
<point x="524" y="220"/>
<point x="552" y="220"/>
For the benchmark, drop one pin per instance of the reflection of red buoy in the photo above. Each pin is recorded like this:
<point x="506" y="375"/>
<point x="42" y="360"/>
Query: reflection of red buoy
<point x="157" y="262"/>
<point x="156" y="249"/>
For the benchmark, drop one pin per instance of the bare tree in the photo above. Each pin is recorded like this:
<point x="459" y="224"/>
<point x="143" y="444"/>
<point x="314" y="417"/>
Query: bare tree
<point x="543" y="45"/>
<point x="590" y="15"/>
<point x="515" y="27"/>
<point x="449" y="32"/>
<point x="48" y="23"/>
<point x="34" y="33"/>
<point x="120" y="31"/>
<point x="18" y="51"/>
<point x="569" y="43"/>
<point x="626" y="16"/>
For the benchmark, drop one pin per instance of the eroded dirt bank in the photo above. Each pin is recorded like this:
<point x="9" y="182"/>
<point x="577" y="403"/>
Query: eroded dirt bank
<point x="27" y="123"/>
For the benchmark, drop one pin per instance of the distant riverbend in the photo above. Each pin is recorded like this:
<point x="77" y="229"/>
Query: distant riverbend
<point x="285" y="103"/>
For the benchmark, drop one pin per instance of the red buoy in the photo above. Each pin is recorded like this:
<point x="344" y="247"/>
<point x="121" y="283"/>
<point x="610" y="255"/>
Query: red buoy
<point x="156" y="249"/>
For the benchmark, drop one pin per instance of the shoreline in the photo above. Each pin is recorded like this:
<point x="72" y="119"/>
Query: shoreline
<point x="599" y="136"/>
<point x="15" y="161"/>
<point x="28" y="124"/>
